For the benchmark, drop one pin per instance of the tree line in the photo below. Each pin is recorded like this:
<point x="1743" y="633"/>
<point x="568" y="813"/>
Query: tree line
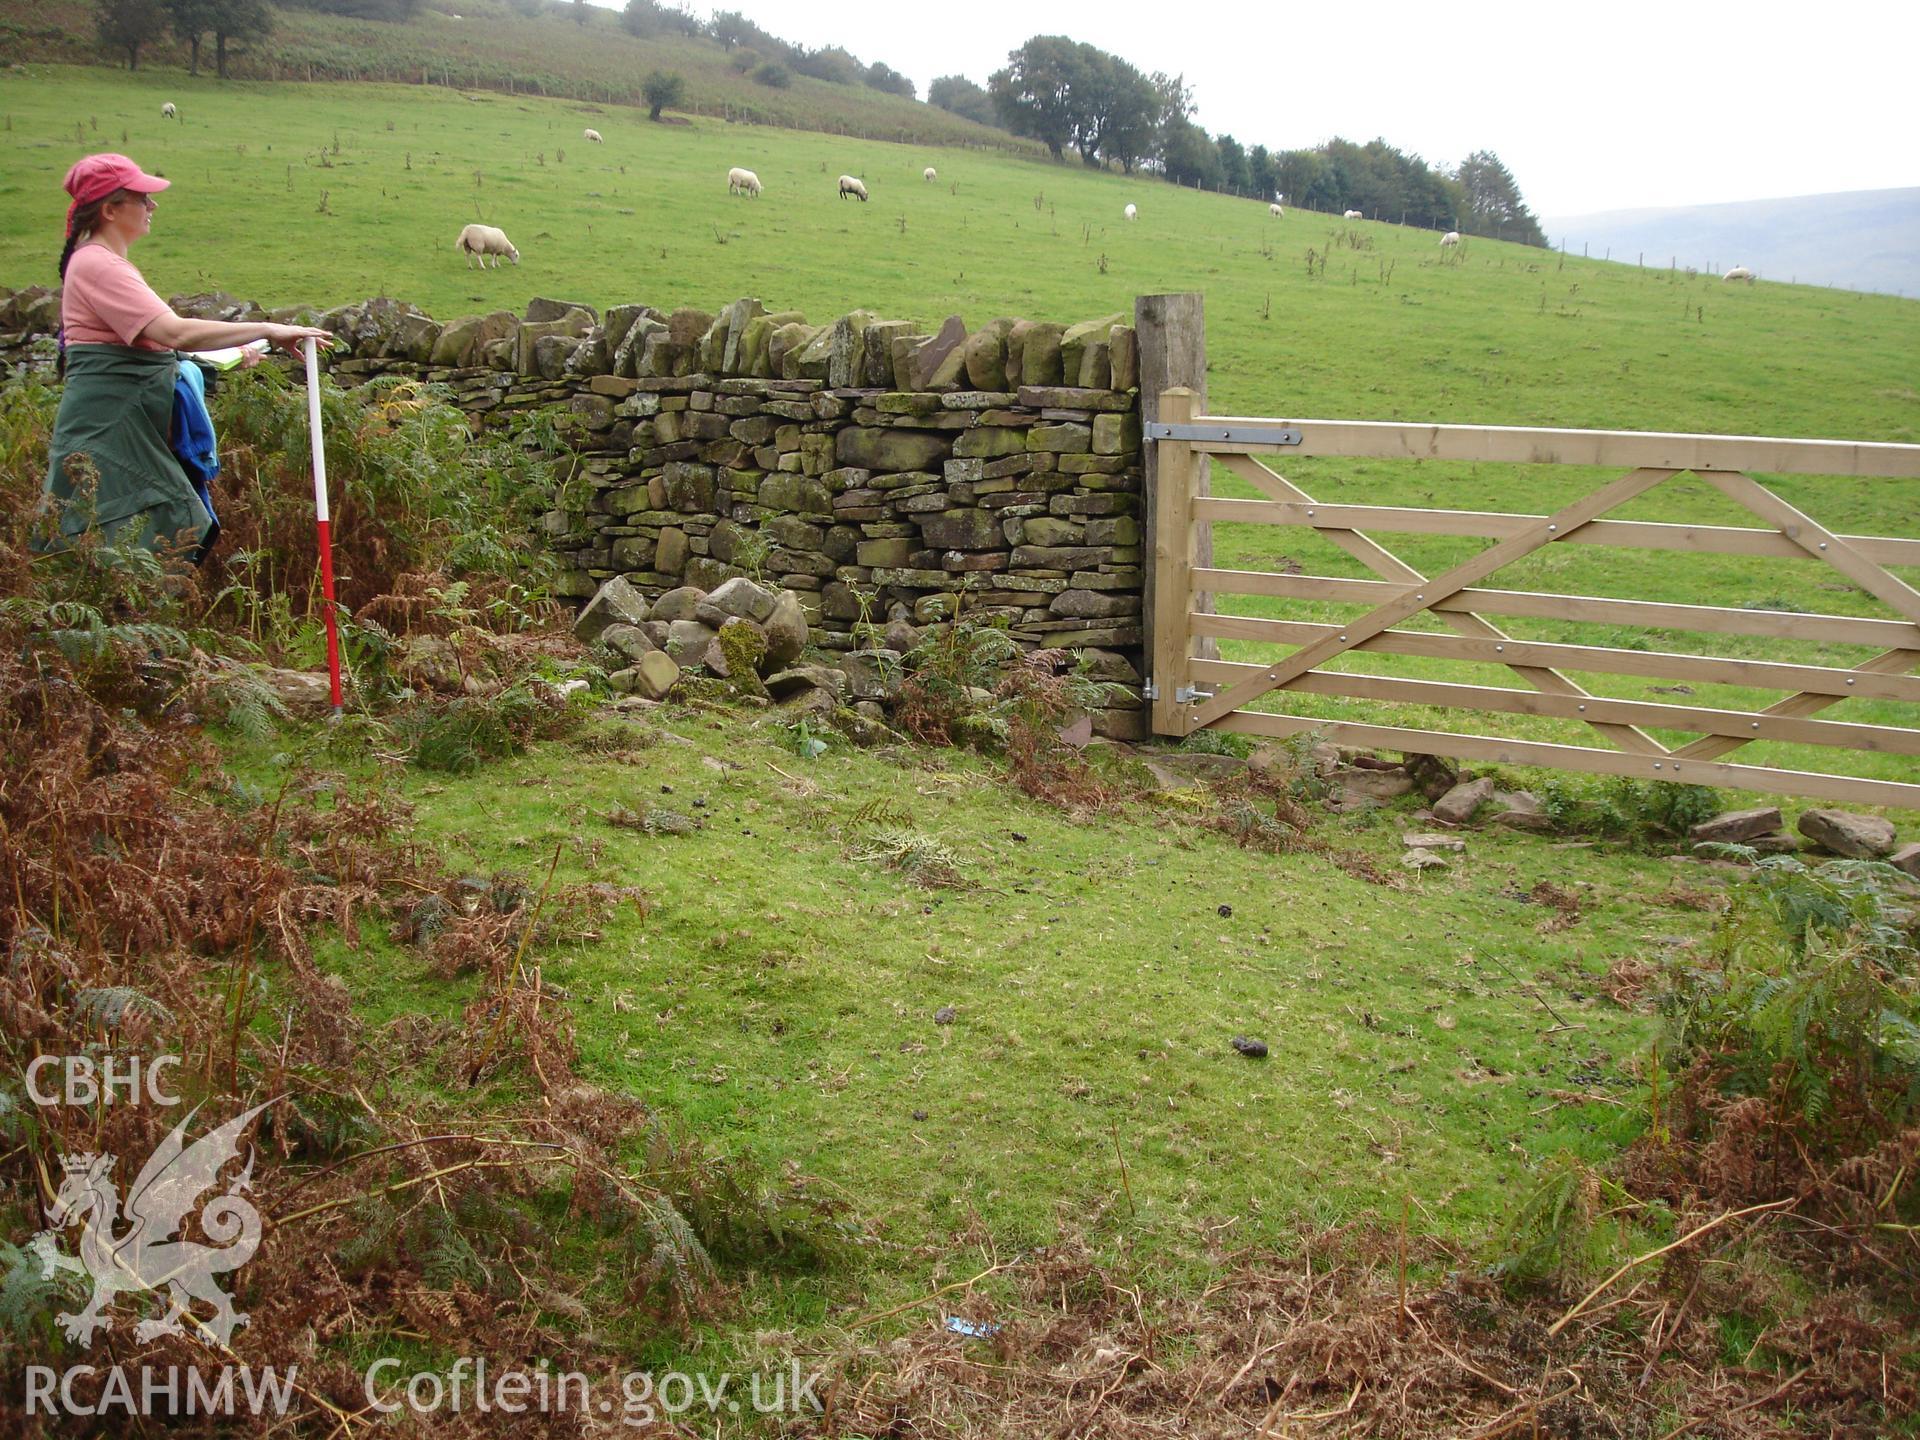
<point x="768" y="58"/>
<point x="1070" y="95"/>
<point x="129" y="26"/>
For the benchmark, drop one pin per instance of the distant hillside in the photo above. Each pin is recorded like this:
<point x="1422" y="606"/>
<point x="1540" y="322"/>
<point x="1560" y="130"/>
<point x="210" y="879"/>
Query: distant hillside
<point x="1857" y="240"/>
<point x="496" y="45"/>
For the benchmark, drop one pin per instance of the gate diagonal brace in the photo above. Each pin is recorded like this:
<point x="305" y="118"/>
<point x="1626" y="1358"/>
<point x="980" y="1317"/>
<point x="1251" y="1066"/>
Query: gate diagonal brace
<point x="1418" y="597"/>
<point x="1384" y="563"/>
<point x="1820" y="544"/>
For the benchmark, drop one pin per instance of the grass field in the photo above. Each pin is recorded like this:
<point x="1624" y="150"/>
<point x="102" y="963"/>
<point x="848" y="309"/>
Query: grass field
<point x="489" y="45"/>
<point x="325" y="193"/>
<point x="780" y="995"/>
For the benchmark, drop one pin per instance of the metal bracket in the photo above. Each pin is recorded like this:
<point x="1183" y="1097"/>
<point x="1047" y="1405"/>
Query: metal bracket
<point x="1230" y="434"/>
<point x="1182" y="695"/>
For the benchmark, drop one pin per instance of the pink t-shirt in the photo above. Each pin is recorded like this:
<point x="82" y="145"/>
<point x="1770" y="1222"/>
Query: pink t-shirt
<point x="103" y="301"/>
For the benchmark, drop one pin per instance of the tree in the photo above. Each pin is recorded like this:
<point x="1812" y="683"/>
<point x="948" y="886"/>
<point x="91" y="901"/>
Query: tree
<point x="236" y="20"/>
<point x="1491" y="200"/>
<point x="1175" y="97"/>
<point x="888" y="80"/>
<point x="1189" y="155"/>
<point x="1130" y="131"/>
<point x="1260" y="177"/>
<point x="832" y="63"/>
<point x="1308" y="178"/>
<point x="580" y="12"/>
<point x="190" y="20"/>
<point x="661" y="89"/>
<point x="1233" y="165"/>
<point x="774" y="75"/>
<point x="643" y="18"/>
<point x="129" y="24"/>
<point x="1034" y="94"/>
<point x="731" y="28"/>
<point x="960" y="96"/>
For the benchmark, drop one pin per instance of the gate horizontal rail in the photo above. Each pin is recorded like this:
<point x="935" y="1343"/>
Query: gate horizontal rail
<point x="1188" y="442"/>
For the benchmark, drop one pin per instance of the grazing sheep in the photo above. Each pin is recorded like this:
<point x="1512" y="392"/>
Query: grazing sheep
<point x="595" y="136"/>
<point x="167" y="112"/>
<point x="743" y="182"/>
<point x="1452" y="237"/>
<point x="1353" y="215"/>
<point x="1131" y="213"/>
<point x="929" y="174"/>
<point x="1739" y="272"/>
<point x="1275" y="210"/>
<point x="850" y="186"/>
<point x="484" y="240"/>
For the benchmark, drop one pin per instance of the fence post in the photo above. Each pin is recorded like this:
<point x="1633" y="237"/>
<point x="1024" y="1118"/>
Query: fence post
<point x="1172" y="335"/>
<point x="1170" y="559"/>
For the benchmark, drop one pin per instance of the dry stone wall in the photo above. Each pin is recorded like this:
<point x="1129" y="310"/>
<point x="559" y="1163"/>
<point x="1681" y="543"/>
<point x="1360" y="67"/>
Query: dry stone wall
<point x="888" y="478"/>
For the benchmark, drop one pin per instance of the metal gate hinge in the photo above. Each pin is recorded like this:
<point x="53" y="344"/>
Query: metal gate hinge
<point x="1182" y="695"/>
<point x="1229" y="434"/>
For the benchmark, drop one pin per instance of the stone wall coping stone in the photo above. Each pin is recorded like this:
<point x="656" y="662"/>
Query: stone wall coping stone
<point x="1068" y="397"/>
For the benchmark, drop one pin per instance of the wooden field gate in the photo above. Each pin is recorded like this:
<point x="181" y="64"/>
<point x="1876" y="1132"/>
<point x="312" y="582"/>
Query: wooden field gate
<point x="1188" y="691"/>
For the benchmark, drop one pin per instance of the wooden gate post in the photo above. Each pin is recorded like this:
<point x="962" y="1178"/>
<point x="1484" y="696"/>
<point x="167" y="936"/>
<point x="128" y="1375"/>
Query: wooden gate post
<point x="1170" y="556"/>
<point x="1172" y="335"/>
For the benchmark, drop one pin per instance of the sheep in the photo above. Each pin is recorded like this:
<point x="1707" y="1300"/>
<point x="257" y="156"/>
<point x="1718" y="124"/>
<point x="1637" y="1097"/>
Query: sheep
<point x="1739" y="272"/>
<point x="1275" y="210"/>
<point x="1353" y="215"/>
<point x="851" y="186"/>
<point x="1131" y="212"/>
<point x="167" y="112"/>
<point x="1452" y="237"/>
<point x="743" y="182"/>
<point x="929" y="174"/>
<point x="594" y="136"/>
<point x="484" y="240"/>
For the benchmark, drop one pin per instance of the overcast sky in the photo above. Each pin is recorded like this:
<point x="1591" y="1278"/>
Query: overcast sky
<point x="1593" y="107"/>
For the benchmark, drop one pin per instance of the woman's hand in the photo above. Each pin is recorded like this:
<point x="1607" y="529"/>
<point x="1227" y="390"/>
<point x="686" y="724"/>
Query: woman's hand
<point x="288" y="337"/>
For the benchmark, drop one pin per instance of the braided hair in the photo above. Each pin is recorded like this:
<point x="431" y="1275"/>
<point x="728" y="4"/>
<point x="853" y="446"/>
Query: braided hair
<point x="86" y="218"/>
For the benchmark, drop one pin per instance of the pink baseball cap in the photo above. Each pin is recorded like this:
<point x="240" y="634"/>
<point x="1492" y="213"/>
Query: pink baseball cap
<point x="97" y="176"/>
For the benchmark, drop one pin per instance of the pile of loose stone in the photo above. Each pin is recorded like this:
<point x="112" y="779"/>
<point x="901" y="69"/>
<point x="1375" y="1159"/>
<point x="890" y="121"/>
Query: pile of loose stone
<point x="1830" y="832"/>
<point x="1459" y="800"/>
<point x="742" y="632"/>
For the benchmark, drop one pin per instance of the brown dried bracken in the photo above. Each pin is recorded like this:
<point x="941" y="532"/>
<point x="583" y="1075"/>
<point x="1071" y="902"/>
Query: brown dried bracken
<point x="1335" y="1339"/>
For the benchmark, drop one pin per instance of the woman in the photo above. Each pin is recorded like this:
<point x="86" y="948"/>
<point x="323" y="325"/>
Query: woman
<point x="117" y="351"/>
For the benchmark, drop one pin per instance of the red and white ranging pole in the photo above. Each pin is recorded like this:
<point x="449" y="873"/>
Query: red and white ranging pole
<point x="323" y="523"/>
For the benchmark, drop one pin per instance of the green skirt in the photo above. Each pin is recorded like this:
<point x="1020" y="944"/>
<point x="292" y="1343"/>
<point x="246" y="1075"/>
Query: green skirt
<point x="117" y="410"/>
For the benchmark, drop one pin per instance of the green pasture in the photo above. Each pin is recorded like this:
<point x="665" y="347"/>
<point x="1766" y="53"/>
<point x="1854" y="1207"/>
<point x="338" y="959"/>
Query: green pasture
<point x="325" y="193"/>
<point x="781" y="993"/>
<point x="1394" y="329"/>
<point x="491" y="45"/>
